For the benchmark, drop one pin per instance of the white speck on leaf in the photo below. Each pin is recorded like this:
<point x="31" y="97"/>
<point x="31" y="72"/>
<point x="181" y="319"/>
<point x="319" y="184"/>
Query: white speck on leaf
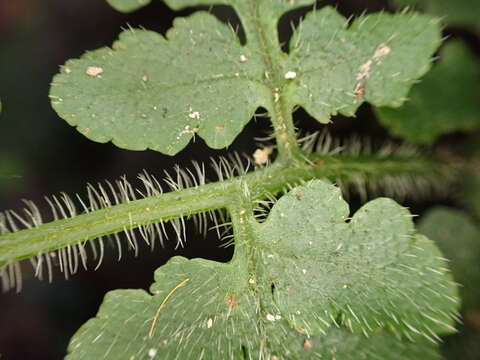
<point x="188" y="130"/>
<point x="277" y="97"/>
<point x="209" y="323"/>
<point x="194" y="114"/>
<point x="243" y="58"/>
<point x="94" y="71"/>
<point x="270" y="317"/>
<point x="290" y="75"/>
<point x="152" y="352"/>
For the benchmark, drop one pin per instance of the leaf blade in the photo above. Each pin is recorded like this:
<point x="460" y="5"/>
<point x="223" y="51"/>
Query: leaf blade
<point x="371" y="60"/>
<point x="370" y="273"/>
<point x="128" y="5"/>
<point x="152" y="93"/>
<point x="459" y="238"/>
<point x="446" y="100"/>
<point x="232" y="310"/>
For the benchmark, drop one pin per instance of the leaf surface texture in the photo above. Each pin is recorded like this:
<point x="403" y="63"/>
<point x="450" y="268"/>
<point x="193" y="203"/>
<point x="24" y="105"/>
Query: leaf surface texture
<point x="306" y="271"/>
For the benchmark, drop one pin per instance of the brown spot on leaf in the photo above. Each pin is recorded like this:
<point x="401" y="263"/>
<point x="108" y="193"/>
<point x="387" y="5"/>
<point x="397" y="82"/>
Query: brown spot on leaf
<point x="231" y="301"/>
<point x="118" y="46"/>
<point x="307" y="345"/>
<point x="261" y="155"/>
<point x="359" y="90"/>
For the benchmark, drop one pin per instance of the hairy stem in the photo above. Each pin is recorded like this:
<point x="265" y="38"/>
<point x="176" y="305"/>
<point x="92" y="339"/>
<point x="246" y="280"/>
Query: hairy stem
<point x="263" y="28"/>
<point x="58" y="234"/>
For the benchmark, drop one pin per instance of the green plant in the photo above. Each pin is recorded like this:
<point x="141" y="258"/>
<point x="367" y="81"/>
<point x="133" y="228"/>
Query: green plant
<point x="306" y="281"/>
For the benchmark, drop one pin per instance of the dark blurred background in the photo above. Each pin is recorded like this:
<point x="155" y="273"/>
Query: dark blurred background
<point x="40" y="155"/>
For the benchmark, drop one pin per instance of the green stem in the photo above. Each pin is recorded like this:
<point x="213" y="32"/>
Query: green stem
<point x="264" y="37"/>
<point x="58" y="234"/>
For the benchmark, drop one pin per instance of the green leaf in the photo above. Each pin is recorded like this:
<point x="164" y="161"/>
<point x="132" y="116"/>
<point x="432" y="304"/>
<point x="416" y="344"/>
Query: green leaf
<point x="128" y="5"/>
<point x="371" y="272"/>
<point x="209" y="312"/>
<point x="157" y="93"/>
<point x="280" y="5"/>
<point x="459" y="239"/>
<point x="150" y="92"/>
<point x="447" y="99"/>
<point x="376" y="59"/>
<point x="201" y="316"/>
<point x="304" y="269"/>
<point x="339" y="344"/>
<point x="457" y="13"/>
<point x="277" y="6"/>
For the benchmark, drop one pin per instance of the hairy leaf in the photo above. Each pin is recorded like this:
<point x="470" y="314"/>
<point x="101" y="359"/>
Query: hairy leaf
<point x="376" y="59"/>
<point x="201" y="309"/>
<point x="338" y="343"/>
<point x="313" y="271"/>
<point x="153" y="92"/>
<point x="150" y="92"/>
<point x="195" y="312"/>
<point x="447" y="99"/>
<point x="128" y="5"/>
<point x="371" y="272"/>
<point x="459" y="238"/>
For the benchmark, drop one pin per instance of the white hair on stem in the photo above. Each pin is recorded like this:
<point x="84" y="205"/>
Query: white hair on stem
<point x="71" y="258"/>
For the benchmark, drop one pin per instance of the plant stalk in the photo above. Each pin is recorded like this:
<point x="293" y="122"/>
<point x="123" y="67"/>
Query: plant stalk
<point x="273" y="179"/>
